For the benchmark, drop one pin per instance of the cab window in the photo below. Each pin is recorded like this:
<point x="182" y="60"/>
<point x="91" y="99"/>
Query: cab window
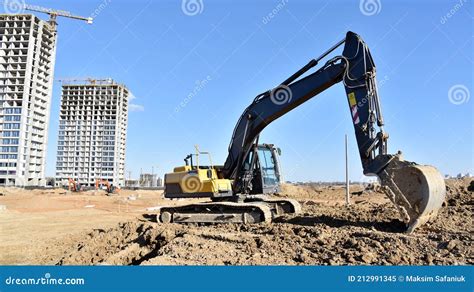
<point x="267" y="165"/>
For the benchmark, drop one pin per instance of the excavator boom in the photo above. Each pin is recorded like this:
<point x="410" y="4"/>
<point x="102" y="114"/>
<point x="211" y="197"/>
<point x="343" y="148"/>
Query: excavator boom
<point x="356" y="69"/>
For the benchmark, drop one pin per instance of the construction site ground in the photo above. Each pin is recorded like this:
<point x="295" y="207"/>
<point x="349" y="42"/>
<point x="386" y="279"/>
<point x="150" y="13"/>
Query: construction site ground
<point x="57" y="227"/>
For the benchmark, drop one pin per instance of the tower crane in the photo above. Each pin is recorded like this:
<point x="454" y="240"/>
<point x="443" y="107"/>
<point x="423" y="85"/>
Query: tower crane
<point x="53" y="13"/>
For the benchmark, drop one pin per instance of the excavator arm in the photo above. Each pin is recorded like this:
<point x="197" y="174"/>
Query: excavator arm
<point x="417" y="191"/>
<point x="355" y="69"/>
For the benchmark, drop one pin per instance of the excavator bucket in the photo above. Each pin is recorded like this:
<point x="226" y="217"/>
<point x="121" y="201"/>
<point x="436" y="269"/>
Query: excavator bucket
<point x="418" y="191"/>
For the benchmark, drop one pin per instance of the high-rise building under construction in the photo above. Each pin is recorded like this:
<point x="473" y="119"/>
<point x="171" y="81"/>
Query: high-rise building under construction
<point x="27" y="57"/>
<point x="92" y="132"/>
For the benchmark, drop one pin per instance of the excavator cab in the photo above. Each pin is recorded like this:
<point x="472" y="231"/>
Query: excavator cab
<point x="266" y="176"/>
<point x="203" y="181"/>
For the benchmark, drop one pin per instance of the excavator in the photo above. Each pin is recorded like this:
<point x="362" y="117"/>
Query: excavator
<point x="109" y="188"/>
<point x="74" y="186"/>
<point x="239" y="190"/>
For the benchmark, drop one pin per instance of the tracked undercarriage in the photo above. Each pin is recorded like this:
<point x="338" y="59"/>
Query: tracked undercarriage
<point x="255" y="210"/>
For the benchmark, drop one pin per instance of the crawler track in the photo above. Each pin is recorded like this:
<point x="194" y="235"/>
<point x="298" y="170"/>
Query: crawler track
<point x="251" y="211"/>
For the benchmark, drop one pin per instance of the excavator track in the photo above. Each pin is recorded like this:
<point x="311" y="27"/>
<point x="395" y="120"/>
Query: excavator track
<point x="216" y="212"/>
<point x="250" y="211"/>
<point x="280" y="206"/>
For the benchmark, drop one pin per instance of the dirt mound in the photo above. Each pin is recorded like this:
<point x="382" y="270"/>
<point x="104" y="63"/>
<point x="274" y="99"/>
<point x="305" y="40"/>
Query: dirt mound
<point x="456" y="214"/>
<point x="317" y="191"/>
<point x="152" y="244"/>
<point x="459" y="191"/>
<point x="127" y="244"/>
<point x="362" y="233"/>
<point x="10" y="191"/>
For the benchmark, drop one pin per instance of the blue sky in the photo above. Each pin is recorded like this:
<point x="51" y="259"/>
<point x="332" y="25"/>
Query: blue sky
<point x="193" y="75"/>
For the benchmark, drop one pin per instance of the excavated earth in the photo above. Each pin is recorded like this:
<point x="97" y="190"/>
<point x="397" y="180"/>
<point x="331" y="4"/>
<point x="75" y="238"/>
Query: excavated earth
<point x="368" y="232"/>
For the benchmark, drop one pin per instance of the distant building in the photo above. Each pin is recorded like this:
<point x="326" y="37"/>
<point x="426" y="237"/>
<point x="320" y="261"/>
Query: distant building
<point x="27" y="57"/>
<point x="148" y="180"/>
<point x="92" y="132"/>
<point x="132" y="183"/>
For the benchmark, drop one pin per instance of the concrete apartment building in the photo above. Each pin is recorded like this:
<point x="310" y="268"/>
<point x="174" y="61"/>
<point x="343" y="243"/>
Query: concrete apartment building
<point x="27" y="57"/>
<point x="92" y="132"/>
<point x="148" y="180"/>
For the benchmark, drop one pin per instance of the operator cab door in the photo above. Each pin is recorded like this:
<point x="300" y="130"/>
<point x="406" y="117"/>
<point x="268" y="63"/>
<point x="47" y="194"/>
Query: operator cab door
<point x="269" y="169"/>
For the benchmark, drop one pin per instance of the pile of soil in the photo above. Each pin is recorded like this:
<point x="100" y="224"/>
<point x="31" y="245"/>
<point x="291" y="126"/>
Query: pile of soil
<point x="366" y="232"/>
